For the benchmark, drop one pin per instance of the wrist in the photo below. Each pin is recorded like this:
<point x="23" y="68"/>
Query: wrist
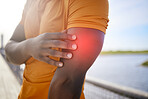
<point x="28" y="47"/>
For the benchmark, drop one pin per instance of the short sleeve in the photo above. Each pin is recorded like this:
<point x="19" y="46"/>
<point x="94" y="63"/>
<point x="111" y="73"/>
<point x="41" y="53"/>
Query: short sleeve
<point x="24" y="12"/>
<point x="88" y="14"/>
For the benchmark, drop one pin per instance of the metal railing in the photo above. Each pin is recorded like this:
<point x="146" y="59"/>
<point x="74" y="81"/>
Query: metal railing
<point x="104" y="89"/>
<point x="15" y="69"/>
<point x="118" y="89"/>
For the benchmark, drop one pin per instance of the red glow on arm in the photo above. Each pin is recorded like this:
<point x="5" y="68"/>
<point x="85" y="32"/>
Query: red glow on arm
<point x="89" y="44"/>
<point x="72" y="74"/>
<point x="85" y="43"/>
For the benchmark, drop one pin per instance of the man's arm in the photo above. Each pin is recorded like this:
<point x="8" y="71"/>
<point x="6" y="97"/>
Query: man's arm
<point x="15" y="49"/>
<point x="68" y="80"/>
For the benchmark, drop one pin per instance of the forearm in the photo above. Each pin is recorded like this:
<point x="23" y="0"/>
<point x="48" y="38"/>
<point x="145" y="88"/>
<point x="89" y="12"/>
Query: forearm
<point x="66" y="87"/>
<point x="17" y="52"/>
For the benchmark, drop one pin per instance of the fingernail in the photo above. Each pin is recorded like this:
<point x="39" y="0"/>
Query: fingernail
<point x="60" y="64"/>
<point x="74" y="37"/>
<point x="69" y="55"/>
<point x="74" y="46"/>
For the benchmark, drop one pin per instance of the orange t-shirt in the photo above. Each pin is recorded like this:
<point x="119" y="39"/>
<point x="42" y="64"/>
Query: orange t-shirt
<point x="46" y="16"/>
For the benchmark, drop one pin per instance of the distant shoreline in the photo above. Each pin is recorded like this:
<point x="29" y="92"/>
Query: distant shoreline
<point x="124" y="52"/>
<point x="145" y="64"/>
<point x="121" y="52"/>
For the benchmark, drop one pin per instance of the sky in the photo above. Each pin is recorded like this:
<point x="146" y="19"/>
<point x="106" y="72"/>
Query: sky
<point x="127" y="28"/>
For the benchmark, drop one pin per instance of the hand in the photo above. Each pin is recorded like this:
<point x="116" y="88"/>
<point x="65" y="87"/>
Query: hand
<point x="40" y="47"/>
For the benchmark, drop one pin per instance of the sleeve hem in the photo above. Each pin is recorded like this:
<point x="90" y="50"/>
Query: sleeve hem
<point x="101" y="28"/>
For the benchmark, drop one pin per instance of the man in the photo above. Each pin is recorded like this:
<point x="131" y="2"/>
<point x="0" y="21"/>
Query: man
<point x="56" y="63"/>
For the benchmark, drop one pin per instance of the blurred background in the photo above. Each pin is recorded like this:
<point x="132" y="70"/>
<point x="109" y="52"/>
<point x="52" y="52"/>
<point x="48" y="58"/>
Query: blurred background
<point x="123" y="60"/>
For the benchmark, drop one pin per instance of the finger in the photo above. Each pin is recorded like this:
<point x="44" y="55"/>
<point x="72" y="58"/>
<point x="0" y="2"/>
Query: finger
<point x="60" y="36"/>
<point x="52" y="62"/>
<point x="55" y="53"/>
<point x="60" y="44"/>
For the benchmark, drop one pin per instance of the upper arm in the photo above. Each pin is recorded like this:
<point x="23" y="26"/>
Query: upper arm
<point x="18" y="34"/>
<point x="89" y="42"/>
<point x="87" y="19"/>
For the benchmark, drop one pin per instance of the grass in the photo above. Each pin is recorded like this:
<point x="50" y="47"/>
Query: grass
<point x="145" y="63"/>
<point x="124" y="52"/>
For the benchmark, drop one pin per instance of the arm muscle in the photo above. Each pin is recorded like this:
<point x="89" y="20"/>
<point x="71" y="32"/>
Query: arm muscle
<point x="68" y="80"/>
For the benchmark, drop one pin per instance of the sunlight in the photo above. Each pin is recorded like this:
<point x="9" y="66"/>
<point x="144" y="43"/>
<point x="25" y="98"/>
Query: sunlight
<point x="10" y="15"/>
<point x="127" y="17"/>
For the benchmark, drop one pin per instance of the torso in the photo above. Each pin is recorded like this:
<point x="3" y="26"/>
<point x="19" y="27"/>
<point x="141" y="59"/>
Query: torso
<point x="43" y="16"/>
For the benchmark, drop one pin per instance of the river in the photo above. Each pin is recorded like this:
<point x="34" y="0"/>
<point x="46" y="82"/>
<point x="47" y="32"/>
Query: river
<point x="122" y="69"/>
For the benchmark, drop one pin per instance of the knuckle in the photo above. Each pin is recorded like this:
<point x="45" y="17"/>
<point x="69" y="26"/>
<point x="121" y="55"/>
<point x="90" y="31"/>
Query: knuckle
<point x="47" y="61"/>
<point x="55" y="35"/>
<point x="43" y="52"/>
<point x="54" y="63"/>
<point x="66" y="44"/>
<point x="57" y="43"/>
<point x="64" y="36"/>
<point x="41" y="43"/>
<point x="56" y="53"/>
<point x="63" y="54"/>
<point x="40" y="56"/>
<point x="52" y="41"/>
<point x="59" y="54"/>
<point x="62" y="44"/>
<point x="45" y="35"/>
<point x="39" y="52"/>
<point x="42" y="35"/>
<point x="51" y="62"/>
<point x="59" y="35"/>
<point x="52" y="52"/>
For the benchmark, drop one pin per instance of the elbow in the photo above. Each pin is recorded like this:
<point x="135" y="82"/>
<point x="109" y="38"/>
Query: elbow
<point x="56" y="86"/>
<point x="68" y="86"/>
<point x="9" y="57"/>
<point x="6" y="53"/>
<point x="58" y="83"/>
<point x="11" y="60"/>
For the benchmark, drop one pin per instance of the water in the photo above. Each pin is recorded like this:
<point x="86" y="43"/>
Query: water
<point x="122" y="69"/>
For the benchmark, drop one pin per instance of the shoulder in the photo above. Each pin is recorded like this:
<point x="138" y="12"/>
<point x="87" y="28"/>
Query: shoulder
<point x="98" y="3"/>
<point x="88" y="14"/>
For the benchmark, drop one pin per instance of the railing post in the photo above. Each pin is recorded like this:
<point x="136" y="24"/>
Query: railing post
<point x="2" y="41"/>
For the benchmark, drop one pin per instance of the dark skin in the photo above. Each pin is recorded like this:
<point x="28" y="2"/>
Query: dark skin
<point x="19" y="49"/>
<point x="68" y="80"/>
